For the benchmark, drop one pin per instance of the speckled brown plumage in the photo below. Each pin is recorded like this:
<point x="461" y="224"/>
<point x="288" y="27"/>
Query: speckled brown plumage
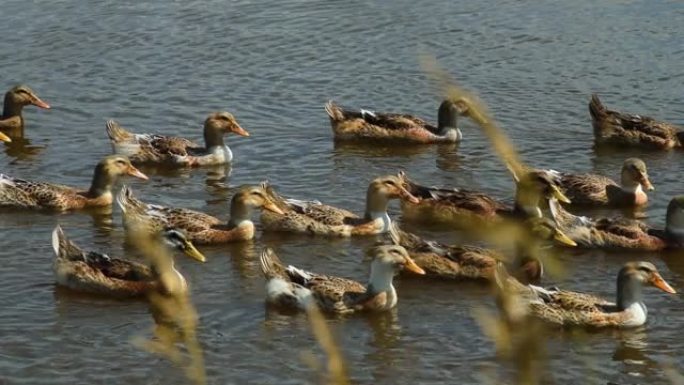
<point x="177" y="151"/>
<point x="367" y="125"/>
<point x="612" y="127"/>
<point x="20" y="193"/>
<point x="200" y="227"/>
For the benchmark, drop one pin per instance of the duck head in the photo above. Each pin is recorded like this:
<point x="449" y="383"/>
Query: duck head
<point x="177" y="241"/>
<point x="635" y="175"/>
<point x="20" y="96"/>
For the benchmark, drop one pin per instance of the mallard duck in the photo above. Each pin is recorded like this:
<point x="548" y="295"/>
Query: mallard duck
<point x="598" y="190"/>
<point x="313" y="217"/>
<point x="21" y="193"/>
<point x="176" y="151"/>
<point x="463" y="208"/>
<point x="200" y="227"/>
<point x="623" y="233"/>
<point x="473" y="262"/>
<point x="569" y="308"/>
<point x="95" y="272"/>
<point x="612" y="127"/>
<point x="293" y="288"/>
<point x="15" y="100"/>
<point x="368" y="125"/>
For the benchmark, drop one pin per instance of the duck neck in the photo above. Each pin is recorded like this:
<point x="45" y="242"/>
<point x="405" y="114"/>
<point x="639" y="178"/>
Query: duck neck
<point x="376" y="205"/>
<point x="628" y="292"/>
<point x="527" y="204"/>
<point x="674" y="225"/>
<point x="630" y="187"/>
<point x="213" y="137"/>
<point x="10" y="108"/>
<point x="102" y="182"/>
<point x="381" y="277"/>
<point x="447" y="119"/>
<point x="240" y="213"/>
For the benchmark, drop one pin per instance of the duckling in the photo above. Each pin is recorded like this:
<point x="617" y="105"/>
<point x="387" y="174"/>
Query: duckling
<point x="598" y="190"/>
<point x="291" y="287"/>
<point x="612" y="127"/>
<point x="19" y="193"/>
<point x="176" y="151"/>
<point x="95" y="272"/>
<point x="368" y="125"/>
<point x="623" y="233"/>
<point x="15" y="100"/>
<point x="313" y="217"/>
<point x="569" y="308"/>
<point x="200" y="227"/>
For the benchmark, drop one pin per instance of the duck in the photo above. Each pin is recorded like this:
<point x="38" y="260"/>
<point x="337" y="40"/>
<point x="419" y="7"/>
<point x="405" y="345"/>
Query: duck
<point x="391" y="127"/>
<point x="201" y="228"/>
<point x="15" y="100"/>
<point x="98" y="273"/>
<point x="576" y="309"/>
<point x="463" y="208"/>
<point x="620" y="233"/>
<point x="624" y="129"/>
<point x="24" y="194"/>
<point x="600" y="191"/>
<point x="176" y="151"/>
<point x="294" y="288"/>
<point x="467" y="262"/>
<point x="316" y="218"/>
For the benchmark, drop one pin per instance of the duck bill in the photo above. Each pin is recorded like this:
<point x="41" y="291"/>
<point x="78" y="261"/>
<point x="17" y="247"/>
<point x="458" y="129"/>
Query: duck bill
<point x="660" y="283"/>
<point x="39" y="103"/>
<point x="240" y="131"/>
<point x="136" y="173"/>
<point x="272" y="207"/>
<point x="411" y="266"/>
<point x="558" y="194"/>
<point x="563" y="239"/>
<point x="407" y="196"/>
<point x="5" y="138"/>
<point x="645" y="182"/>
<point x="193" y="253"/>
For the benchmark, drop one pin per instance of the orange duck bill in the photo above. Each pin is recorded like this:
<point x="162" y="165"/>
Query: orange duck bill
<point x="39" y="103"/>
<point x="237" y="129"/>
<point x="411" y="266"/>
<point x="659" y="282"/>
<point x="5" y="138"/>
<point x="132" y="171"/>
<point x="406" y="195"/>
<point x="645" y="182"/>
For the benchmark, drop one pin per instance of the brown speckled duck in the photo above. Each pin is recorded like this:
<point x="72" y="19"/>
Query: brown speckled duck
<point x="623" y="233"/>
<point x="598" y="190"/>
<point x="465" y="208"/>
<point x="21" y="193"/>
<point x="622" y="129"/>
<point x="290" y="287"/>
<point x="15" y="100"/>
<point x="176" y="151"/>
<point x="98" y="273"/>
<point x="574" y="309"/>
<point x="368" y="125"/>
<point x="200" y="227"/>
<point x="313" y="217"/>
<point x="452" y="262"/>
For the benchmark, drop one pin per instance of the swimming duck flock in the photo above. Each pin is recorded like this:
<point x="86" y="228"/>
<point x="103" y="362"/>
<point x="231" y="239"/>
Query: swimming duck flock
<point x="541" y="216"/>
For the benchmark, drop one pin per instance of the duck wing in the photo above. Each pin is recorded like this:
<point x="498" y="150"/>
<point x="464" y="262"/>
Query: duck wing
<point x="23" y="193"/>
<point x="325" y="214"/>
<point x="586" y="188"/>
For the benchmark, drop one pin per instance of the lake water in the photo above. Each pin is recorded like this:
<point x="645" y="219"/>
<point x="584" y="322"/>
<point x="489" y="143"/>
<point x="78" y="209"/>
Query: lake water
<point x="162" y="66"/>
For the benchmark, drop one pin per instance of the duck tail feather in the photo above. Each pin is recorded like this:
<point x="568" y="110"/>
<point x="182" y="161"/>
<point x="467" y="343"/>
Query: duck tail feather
<point x="117" y="133"/>
<point x="596" y="108"/>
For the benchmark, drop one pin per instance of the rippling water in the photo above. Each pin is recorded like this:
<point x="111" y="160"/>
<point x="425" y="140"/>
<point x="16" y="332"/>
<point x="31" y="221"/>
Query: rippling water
<point x="162" y="66"/>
